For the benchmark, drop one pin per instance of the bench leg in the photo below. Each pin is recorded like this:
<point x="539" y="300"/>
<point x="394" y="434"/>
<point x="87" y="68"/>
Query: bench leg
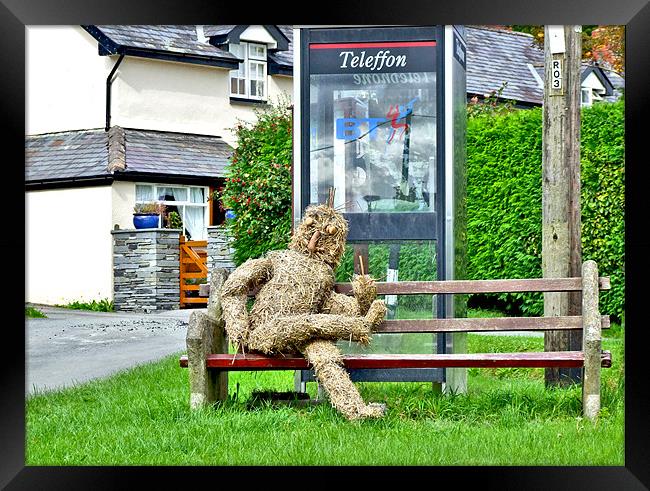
<point x="206" y="334"/>
<point x="206" y="386"/>
<point x="591" y="342"/>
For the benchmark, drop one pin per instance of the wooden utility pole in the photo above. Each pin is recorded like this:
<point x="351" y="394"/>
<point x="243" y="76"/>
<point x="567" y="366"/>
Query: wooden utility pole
<point x="561" y="249"/>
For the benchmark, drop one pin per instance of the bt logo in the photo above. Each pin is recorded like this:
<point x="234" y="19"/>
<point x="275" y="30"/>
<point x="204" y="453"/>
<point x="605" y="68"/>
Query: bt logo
<point x="350" y="128"/>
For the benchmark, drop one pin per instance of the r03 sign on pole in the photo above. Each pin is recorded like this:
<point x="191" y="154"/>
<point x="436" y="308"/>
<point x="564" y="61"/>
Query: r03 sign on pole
<point x="556" y="76"/>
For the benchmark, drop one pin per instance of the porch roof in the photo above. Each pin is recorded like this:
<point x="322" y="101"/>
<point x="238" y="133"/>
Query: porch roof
<point x="82" y="155"/>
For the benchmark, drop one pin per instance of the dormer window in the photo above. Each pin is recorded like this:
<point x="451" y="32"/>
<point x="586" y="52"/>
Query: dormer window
<point x="249" y="81"/>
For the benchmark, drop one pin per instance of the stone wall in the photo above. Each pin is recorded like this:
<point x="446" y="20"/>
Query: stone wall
<point x="146" y="274"/>
<point x="219" y="252"/>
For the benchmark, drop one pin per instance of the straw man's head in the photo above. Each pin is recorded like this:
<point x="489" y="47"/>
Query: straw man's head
<point x="321" y="235"/>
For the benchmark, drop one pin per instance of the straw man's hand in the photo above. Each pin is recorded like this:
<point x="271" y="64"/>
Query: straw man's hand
<point x="365" y="291"/>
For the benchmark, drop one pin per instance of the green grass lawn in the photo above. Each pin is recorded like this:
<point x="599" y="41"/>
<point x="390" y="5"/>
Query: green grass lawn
<point x="141" y="417"/>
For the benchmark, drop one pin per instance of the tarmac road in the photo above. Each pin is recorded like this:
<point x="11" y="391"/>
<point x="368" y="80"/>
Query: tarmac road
<point x="74" y="346"/>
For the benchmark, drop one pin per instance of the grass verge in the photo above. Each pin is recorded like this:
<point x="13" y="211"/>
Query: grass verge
<point x="104" y="305"/>
<point x="141" y="417"/>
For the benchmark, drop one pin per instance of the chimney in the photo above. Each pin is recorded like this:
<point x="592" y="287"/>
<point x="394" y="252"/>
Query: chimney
<point x="116" y="149"/>
<point x="200" y="35"/>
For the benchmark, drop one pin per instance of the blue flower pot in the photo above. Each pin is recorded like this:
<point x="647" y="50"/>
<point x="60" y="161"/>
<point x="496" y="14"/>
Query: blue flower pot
<point x="145" y="221"/>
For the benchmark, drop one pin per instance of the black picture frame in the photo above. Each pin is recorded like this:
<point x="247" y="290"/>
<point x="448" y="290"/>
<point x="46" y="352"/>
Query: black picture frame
<point x="635" y="14"/>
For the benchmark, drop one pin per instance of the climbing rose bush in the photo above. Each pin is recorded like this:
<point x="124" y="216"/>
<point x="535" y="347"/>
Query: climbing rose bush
<point x="258" y="183"/>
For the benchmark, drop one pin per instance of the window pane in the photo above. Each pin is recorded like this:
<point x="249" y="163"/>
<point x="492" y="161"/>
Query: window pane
<point x="257" y="70"/>
<point x="360" y="144"/>
<point x="256" y="51"/>
<point x="194" y="222"/>
<point x="196" y="195"/>
<point x="257" y="88"/>
<point x="237" y="85"/>
<point x="398" y="261"/>
<point x="143" y="193"/>
<point x="172" y="194"/>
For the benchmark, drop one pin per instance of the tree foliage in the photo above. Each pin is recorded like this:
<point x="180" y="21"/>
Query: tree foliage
<point x="258" y="183"/>
<point x="601" y="44"/>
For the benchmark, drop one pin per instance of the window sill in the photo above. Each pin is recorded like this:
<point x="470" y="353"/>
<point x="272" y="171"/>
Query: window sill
<point x="248" y="102"/>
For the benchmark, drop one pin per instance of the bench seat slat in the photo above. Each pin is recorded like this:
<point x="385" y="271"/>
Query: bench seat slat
<point x="479" y="286"/>
<point x="487" y="324"/>
<point x="563" y="359"/>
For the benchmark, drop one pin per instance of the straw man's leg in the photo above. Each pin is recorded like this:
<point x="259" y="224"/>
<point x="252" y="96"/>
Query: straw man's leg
<point x="326" y="359"/>
<point x="291" y="333"/>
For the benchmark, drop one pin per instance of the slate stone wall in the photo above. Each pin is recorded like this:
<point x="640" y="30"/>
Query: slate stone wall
<point x="146" y="269"/>
<point x="219" y="253"/>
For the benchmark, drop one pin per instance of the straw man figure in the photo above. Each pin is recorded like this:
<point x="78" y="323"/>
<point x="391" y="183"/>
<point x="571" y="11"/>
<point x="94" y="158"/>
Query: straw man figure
<point x="297" y="311"/>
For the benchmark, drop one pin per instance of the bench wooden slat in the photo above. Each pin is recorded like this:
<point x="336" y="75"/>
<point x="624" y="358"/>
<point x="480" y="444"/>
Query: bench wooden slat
<point x="478" y="286"/>
<point x="564" y="359"/>
<point x="487" y="324"/>
<point x="473" y="286"/>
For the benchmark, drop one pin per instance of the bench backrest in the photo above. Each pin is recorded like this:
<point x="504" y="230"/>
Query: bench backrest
<point x="451" y="287"/>
<point x="483" y="286"/>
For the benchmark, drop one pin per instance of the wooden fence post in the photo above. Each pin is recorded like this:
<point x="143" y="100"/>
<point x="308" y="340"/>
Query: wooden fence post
<point x="591" y="341"/>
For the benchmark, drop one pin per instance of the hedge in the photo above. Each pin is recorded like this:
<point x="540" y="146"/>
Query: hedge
<point x="504" y="201"/>
<point x="504" y="204"/>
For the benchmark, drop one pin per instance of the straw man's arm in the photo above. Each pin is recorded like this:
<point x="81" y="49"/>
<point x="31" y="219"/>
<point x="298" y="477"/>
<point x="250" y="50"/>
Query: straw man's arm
<point x="234" y="294"/>
<point x="365" y="292"/>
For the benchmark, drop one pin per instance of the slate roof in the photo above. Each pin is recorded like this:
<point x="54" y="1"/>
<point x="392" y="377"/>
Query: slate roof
<point x="618" y="83"/>
<point x="83" y="154"/>
<point x="175" y="153"/>
<point x="67" y="155"/>
<point x="495" y="56"/>
<point x="284" y="58"/>
<point x="179" y="40"/>
<point x="615" y="80"/>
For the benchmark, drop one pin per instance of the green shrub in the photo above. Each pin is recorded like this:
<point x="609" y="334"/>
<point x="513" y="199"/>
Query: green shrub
<point x="504" y="200"/>
<point x="34" y="313"/>
<point x="104" y="305"/>
<point x="258" y="183"/>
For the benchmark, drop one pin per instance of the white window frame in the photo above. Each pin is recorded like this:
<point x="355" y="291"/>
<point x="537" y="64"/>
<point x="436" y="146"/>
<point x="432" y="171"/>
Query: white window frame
<point x="244" y="51"/>
<point x="181" y="205"/>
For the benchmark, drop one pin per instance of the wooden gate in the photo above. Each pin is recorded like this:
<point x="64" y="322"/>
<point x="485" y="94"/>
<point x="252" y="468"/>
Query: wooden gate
<point x="194" y="268"/>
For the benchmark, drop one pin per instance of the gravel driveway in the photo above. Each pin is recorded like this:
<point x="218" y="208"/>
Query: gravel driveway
<point x="73" y="346"/>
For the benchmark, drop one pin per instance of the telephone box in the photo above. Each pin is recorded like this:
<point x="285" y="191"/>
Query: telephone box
<point x="380" y="116"/>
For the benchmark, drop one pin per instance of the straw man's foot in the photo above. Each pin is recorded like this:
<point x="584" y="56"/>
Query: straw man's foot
<point x="371" y="410"/>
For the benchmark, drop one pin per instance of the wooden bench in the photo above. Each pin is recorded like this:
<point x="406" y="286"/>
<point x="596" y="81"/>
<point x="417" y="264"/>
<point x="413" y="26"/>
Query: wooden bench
<point x="208" y="359"/>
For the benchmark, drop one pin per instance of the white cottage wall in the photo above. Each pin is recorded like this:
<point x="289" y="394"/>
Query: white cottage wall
<point x="180" y="97"/>
<point x="123" y="196"/>
<point x="69" y="245"/>
<point x="65" y="80"/>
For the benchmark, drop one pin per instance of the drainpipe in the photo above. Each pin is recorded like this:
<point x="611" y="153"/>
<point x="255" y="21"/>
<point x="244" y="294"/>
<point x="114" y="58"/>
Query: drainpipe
<point x="109" y="83"/>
